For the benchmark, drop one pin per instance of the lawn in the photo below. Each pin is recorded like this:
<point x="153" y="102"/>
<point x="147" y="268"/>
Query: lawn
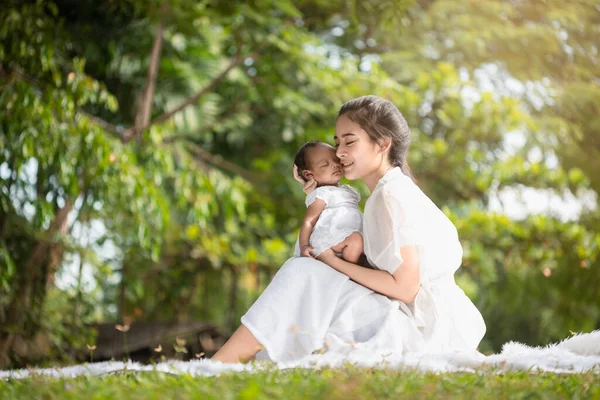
<point x="331" y="383"/>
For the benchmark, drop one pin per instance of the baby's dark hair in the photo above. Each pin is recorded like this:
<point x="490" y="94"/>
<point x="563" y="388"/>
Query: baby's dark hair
<point x="302" y="160"/>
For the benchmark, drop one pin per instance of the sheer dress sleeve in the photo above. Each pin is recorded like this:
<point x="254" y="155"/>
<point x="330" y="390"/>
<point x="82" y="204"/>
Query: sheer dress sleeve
<point x="398" y="223"/>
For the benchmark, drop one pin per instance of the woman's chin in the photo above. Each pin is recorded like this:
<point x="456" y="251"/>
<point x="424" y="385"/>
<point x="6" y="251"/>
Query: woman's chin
<point x="350" y="175"/>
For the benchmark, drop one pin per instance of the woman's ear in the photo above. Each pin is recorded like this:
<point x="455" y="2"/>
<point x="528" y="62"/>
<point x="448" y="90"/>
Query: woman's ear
<point x="385" y="145"/>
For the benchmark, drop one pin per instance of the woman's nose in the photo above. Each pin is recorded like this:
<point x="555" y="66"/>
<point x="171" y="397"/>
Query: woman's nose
<point x="339" y="153"/>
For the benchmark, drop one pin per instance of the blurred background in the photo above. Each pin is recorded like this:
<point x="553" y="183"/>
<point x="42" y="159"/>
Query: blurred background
<point x="146" y="194"/>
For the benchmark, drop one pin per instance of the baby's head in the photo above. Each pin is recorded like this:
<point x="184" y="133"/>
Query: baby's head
<point x="318" y="160"/>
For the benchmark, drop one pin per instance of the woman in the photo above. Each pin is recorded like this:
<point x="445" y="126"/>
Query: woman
<point x="408" y="303"/>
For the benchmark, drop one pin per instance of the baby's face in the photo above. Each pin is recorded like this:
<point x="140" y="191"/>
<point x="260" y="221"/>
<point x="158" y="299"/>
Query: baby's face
<point x="325" y="166"/>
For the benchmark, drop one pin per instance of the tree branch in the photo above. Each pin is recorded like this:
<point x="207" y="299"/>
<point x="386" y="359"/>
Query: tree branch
<point x="126" y="134"/>
<point x="107" y="126"/>
<point x="142" y="118"/>
<point x="122" y="133"/>
<point x="201" y="164"/>
<point x="115" y="130"/>
<point x="219" y="162"/>
<point x="231" y="111"/>
<point x="237" y="60"/>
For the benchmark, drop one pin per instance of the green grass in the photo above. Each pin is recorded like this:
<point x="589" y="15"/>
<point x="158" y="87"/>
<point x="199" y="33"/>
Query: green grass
<point x="339" y="383"/>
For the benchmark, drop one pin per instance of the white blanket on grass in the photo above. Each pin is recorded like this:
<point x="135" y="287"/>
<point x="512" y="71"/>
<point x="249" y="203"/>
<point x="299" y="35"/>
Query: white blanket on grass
<point x="579" y="353"/>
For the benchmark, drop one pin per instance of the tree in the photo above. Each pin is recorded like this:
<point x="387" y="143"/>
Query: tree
<point x="173" y="126"/>
<point x="126" y="120"/>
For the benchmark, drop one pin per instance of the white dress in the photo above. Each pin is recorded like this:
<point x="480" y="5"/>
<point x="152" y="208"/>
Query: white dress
<point x="338" y="220"/>
<point x="310" y="306"/>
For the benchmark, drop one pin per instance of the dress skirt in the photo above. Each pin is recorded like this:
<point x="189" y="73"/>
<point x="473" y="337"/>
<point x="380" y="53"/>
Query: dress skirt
<point x="309" y="306"/>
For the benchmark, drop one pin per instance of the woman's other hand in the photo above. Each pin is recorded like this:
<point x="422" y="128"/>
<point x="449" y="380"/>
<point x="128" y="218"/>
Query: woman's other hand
<point x="328" y="257"/>
<point x="309" y="185"/>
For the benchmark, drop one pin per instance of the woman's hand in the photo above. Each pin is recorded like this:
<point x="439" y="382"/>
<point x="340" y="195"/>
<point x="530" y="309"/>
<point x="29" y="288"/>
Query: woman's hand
<point x="309" y="185"/>
<point x="328" y="257"/>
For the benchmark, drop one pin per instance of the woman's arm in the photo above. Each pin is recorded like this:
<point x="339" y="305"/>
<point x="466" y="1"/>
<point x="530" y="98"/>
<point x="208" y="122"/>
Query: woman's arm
<point x="313" y="212"/>
<point x="403" y="284"/>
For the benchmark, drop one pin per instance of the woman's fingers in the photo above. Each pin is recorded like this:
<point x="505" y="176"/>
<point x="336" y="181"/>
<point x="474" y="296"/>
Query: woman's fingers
<point x="309" y="186"/>
<point x="326" y="256"/>
<point x="297" y="175"/>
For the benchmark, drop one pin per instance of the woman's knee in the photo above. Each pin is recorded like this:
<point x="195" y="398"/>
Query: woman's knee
<point x="355" y="239"/>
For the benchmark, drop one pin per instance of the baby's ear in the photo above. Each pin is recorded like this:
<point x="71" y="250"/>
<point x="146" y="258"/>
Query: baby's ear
<point x="307" y="174"/>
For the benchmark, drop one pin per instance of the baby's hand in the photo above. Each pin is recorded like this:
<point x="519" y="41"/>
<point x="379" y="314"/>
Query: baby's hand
<point x="307" y="251"/>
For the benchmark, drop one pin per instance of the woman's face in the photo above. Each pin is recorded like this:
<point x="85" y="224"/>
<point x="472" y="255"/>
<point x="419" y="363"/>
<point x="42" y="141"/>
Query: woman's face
<point x="360" y="157"/>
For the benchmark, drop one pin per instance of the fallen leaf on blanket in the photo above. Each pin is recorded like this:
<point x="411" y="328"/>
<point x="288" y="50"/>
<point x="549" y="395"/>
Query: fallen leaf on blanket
<point x="180" y="349"/>
<point x="122" y="328"/>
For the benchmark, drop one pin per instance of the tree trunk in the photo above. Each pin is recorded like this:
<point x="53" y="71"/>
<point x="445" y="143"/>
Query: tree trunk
<point x="77" y="303"/>
<point x="44" y="254"/>
<point x="142" y="118"/>
<point x="183" y="301"/>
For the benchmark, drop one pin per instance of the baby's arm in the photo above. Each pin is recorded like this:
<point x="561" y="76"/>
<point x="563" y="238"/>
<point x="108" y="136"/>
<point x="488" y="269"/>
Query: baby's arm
<point x="313" y="212"/>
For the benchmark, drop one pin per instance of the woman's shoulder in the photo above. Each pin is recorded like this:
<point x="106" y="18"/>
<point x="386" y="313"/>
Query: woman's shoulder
<point x="401" y="189"/>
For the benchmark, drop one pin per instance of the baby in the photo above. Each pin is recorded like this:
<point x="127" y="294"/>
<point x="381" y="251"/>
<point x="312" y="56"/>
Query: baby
<point x="332" y="217"/>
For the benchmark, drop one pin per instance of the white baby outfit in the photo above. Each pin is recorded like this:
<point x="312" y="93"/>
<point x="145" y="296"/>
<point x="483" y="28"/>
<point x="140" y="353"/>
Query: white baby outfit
<point x="310" y="306"/>
<point x="338" y="220"/>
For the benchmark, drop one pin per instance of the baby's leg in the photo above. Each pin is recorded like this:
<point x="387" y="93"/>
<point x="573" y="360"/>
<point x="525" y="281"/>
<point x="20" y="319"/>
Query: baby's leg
<point x="351" y="248"/>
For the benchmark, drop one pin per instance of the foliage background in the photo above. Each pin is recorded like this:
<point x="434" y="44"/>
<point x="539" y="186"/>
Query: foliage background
<point x="145" y="152"/>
